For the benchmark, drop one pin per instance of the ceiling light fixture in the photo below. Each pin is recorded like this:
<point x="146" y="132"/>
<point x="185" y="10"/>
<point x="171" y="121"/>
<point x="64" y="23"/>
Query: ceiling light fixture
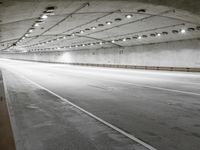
<point x="183" y="31"/>
<point x="118" y="19"/>
<point x="100" y="25"/>
<point x="190" y="29"/>
<point x="26" y="35"/>
<point x="164" y="33"/>
<point x="129" y="16"/>
<point x="108" y="22"/>
<point x="175" y="31"/>
<point x="36" y="24"/>
<point x="30" y="30"/>
<point x="44" y="16"/>
<point x="141" y="10"/>
<point x="158" y="34"/>
<point x="93" y="28"/>
<point x="144" y="36"/>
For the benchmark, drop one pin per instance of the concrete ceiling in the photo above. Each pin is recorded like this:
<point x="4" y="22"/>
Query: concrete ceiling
<point x="159" y="18"/>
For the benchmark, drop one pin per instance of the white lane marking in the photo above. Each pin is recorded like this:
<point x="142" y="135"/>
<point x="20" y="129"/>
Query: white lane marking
<point x="115" y="70"/>
<point x="146" y="86"/>
<point x="160" y="88"/>
<point x="93" y="116"/>
<point x="153" y="87"/>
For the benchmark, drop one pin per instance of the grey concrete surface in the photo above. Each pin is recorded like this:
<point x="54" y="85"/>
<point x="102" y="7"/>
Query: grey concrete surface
<point x="161" y="108"/>
<point x="170" y="54"/>
<point x="149" y="17"/>
<point x="42" y="121"/>
<point x="6" y="134"/>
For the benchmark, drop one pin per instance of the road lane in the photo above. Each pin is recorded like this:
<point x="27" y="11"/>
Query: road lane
<point x="162" y="118"/>
<point x="42" y="120"/>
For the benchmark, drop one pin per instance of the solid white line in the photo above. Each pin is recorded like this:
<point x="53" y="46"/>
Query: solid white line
<point x="146" y="86"/>
<point x="159" y="88"/>
<point x="93" y="116"/>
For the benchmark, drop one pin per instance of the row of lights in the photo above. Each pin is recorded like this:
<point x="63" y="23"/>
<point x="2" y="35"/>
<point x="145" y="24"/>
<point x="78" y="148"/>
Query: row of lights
<point x="181" y="31"/>
<point x="128" y="16"/>
<point x="48" y="12"/>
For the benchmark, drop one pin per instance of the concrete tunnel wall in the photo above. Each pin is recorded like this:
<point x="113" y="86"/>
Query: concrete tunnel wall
<point x="169" y="54"/>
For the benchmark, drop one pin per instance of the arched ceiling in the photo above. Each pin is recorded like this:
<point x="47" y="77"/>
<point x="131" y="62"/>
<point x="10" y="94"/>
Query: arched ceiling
<point x="79" y="25"/>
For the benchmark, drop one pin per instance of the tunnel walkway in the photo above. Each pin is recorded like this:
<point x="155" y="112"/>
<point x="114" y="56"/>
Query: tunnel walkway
<point x="6" y="134"/>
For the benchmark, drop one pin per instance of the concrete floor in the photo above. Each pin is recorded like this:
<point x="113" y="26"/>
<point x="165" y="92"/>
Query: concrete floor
<point x="160" y="108"/>
<point x="6" y="135"/>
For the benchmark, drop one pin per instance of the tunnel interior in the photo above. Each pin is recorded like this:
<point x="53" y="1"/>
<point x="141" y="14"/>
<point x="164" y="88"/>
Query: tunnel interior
<point x="99" y="75"/>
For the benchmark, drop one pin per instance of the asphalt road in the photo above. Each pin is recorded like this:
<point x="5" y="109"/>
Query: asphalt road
<point x="161" y="108"/>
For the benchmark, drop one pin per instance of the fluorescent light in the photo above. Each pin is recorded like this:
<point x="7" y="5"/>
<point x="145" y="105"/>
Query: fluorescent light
<point x="26" y="35"/>
<point x="93" y="28"/>
<point x="36" y="24"/>
<point x="129" y="16"/>
<point x="31" y="30"/>
<point x="108" y="22"/>
<point x="44" y="16"/>
<point x="158" y="34"/>
<point x="183" y="31"/>
<point x="139" y="37"/>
